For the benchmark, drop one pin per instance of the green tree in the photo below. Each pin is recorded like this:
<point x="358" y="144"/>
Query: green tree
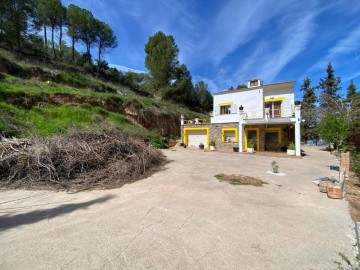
<point x="204" y="97"/>
<point x="60" y="24"/>
<point x="309" y="110"/>
<point x="334" y="128"/>
<point x="161" y="60"/>
<point x="353" y="105"/>
<point x="105" y="38"/>
<point x="15" y="19"/>
<point x="87" y="31"/>
<point x="241" y="86"/>
<point x="73" y="21"/>
<point x="330" y="87"/>
<point x="182" y="89"/>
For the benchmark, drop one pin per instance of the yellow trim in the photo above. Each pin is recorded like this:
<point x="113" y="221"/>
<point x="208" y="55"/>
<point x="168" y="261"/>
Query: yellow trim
<point x="225" y="103"/>
<point x="229" y="129"/>
<point x="274" y="99"/>
<point x="186" y="135"/>
<point x="257" y="137"/>
<point x="278" y="131"/>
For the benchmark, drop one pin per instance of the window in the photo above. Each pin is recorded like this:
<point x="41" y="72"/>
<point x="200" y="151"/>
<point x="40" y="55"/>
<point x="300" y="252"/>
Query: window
<point x="275" y="108"/>
<point x="229" y="135"/>
<point x="254" y="83"/>
<point x="226" y="109"/>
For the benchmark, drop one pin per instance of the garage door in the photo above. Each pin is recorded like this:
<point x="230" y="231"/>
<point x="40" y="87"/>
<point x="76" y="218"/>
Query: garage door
<point x="195" y="137"/>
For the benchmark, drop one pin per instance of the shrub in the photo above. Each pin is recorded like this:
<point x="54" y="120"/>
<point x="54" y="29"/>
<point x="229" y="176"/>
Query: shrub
<point x="291" y="146"/>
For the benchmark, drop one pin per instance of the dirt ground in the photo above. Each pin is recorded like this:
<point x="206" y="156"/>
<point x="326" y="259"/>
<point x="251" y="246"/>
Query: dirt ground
<point x="184" y="218"/>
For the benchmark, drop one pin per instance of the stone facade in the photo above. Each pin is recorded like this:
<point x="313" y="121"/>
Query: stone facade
<point x="216" y="134"/>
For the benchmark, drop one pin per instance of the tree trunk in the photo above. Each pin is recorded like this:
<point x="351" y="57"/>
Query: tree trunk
<point x="73" y="48"/>
<point x="60" y="38"/>
<point x="88" y="53"/>
<point x="18" y="39"/>
<point x="52" y="41"/>
<point x="45" y="35"/>
<point x="99" y="53"/>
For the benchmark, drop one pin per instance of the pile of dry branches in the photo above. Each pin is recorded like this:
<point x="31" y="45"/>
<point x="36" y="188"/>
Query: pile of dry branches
<point x="79" y="160"/>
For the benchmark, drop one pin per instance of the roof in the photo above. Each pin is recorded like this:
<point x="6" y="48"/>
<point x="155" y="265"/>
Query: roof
<point x="251" y="88"/>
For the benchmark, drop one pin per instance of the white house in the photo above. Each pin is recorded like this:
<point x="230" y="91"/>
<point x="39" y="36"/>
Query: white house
<point x="264" y="114"/>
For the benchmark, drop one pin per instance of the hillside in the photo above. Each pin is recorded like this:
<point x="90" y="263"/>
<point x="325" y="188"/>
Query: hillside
<point x="47" y="99"/>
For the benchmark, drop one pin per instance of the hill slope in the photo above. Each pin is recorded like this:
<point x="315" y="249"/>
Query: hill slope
<point x="45" y="100"/>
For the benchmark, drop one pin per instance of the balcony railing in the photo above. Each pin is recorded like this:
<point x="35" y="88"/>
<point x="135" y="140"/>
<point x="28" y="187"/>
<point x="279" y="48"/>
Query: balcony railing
<point x="258" y="114"/>
<point x="196" y="121"/>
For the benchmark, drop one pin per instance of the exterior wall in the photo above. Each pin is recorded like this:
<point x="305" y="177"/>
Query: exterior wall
<point x="252" y="99"/>
<point x="216" y="134"/>
<point x="286" y="92"/>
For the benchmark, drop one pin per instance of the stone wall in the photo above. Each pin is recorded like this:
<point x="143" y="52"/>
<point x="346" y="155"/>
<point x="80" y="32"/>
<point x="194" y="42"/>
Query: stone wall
<point x="216" y="134"/>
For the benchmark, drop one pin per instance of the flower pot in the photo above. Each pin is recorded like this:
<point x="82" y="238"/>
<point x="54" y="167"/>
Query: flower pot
<point x="290" y="152"/>
<point x="250" y="150"/>
<point x="201" y="147"/>
<point x="236" y="149"/>
<point x="182" y="144"/>
<point x="212" y="148"/>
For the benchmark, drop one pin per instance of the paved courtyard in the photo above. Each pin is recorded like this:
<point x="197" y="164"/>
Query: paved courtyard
<point x="183" y="218"/>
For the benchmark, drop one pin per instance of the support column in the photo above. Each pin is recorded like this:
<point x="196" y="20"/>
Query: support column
<point x="241" y="129"/>
<point x="241" y="137"/>
<point x="182" y="122"/>
<point x="297" y="130"/>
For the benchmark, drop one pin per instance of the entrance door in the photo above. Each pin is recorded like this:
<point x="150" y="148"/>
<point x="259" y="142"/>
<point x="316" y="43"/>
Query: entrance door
<point x="252" y="134"/>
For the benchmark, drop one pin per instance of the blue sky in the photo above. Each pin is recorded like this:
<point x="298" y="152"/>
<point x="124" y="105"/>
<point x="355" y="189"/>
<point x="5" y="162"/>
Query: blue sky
<point x="225" y="43"/>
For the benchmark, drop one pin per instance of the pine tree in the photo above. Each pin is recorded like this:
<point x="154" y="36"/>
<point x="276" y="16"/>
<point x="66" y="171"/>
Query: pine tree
<point x="330" y="87"/>
<point x="353" y="106"/>
<point x="308" y="110"/>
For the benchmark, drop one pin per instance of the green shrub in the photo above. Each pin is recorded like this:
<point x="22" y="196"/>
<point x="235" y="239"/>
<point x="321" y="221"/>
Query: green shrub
<point x="291" y="146"/>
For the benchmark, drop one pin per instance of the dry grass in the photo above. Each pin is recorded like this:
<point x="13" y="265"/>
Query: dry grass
<point x="240" y="179"/>
<point x="78" y="160"/>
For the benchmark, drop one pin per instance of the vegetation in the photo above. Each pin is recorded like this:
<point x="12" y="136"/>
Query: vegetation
<point x="239" y="179"/>
<point x="170" y="79"/>
<point x="291" y="146"/>
<point x="308" y="110"/>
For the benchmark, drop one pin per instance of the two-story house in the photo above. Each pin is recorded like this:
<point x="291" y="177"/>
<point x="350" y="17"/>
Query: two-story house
<point x="264" y="114"/>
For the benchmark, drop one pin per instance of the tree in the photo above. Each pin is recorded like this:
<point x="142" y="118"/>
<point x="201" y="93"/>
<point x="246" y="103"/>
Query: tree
<point x="161" y="60"/>
<point x="182" y="89"/>
<point x="105" y="38"/>
<point x="87" y="30"/>
<point x="15" y="16"/>
<point x="334" y="128"/>
<point x="61" y="23"/>
<point x="241" y="86"/>
<point x="308" y="110"/>
<point x="204" y="97"/>
<point x="353" y="105"/>
<point x="330" y="87"/>
<point x="72" y="18"/>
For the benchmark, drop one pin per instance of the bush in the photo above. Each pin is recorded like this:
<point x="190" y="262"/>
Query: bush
<point x="291" y="146"/>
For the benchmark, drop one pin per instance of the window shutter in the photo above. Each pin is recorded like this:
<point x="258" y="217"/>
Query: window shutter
<point x="233" y="108"/>
<point x="217" y="110"/>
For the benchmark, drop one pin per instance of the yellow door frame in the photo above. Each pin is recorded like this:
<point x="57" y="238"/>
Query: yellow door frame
<point x="186" y="134"/>
<point x="257" y="130"/>
<point x="278" y="130"/>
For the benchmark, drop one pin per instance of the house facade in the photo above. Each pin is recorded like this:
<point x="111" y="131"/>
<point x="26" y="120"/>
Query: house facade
<point x="262" y="115"/>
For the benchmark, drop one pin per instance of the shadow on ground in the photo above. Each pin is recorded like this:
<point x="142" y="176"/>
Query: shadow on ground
<point x="12" y="221"/>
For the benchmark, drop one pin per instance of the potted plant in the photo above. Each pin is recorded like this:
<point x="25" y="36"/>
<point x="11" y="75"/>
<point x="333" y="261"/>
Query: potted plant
<point x="291" y="149"/>
<point x="250" y="147"/>
<point x="212" y="145"/>
<point x="201" y="146"/>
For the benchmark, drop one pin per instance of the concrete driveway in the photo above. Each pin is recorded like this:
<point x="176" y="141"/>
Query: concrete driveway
<point x="183" y="218"/>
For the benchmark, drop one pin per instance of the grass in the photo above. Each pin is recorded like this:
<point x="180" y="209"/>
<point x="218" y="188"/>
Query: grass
<point x="10" y="85"/>
<point x="239" y="179"/>
<point x="49" y="120"/>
